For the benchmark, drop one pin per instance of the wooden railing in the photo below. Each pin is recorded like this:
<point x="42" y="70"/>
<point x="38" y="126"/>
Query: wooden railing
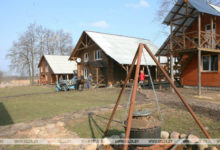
<point x="190" y="40"/>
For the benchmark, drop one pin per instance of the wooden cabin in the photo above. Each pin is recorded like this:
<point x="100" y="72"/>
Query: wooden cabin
<point x="54" y="67"/>
<point x="108" y="56"/>
<point x="193" y="46"/>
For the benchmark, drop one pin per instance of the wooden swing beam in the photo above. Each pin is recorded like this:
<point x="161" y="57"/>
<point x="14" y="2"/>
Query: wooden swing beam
<point x="132" y="104"/>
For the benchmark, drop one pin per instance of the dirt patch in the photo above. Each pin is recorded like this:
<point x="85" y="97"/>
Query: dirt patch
<point x="205" y="107"/>
<point x="52" y="130"/>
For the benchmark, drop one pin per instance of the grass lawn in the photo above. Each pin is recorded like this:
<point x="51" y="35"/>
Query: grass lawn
<point x="174" y="120"/>
<point x="14" y="91"/>
<point x="31" y="107"/>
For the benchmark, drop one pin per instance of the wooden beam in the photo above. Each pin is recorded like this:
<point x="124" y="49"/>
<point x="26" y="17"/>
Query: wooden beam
<point x="160" y="86"/>
<point x="176" y="51"/>
<point x="188" y="16"/>
<point x="199" y="54"/>
<point x="177" y="11"/>
<point x="123" y="67"/>
<point x="184" y="38"/>
<point x="97" y="76"/>
<point x="133" y="96"/>
<point x="212" y="32"/>
<point x="176" y="31"/>
<point x="171" y="54"/>
<point x="209" y="50"/>
<point x="88" y="48"/>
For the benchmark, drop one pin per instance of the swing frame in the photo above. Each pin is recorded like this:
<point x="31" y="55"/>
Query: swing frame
<point x="137" y="58"/>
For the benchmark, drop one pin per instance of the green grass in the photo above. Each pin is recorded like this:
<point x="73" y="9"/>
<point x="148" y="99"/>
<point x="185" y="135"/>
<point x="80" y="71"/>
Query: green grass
<point x="174" y="120"/>
<point x="31" y="107"/>
<point x="14" y="91"/>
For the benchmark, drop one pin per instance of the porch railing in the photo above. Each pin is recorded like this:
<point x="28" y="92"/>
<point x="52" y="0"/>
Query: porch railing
<point x="190" y="40"/>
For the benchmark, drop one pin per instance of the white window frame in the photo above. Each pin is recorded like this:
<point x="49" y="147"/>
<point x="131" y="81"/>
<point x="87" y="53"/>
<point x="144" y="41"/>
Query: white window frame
<point x="86" y="57"/>
<point x="85" y="73"/>
<point x="98" y="55"/>
<point x="210" y="60"/>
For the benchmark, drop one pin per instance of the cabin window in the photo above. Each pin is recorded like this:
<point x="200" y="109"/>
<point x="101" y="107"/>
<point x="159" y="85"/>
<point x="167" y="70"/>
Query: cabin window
<point x="208" y="27"/>
<point x="46" y="69"/>
<point x="41" y="69"/>
<point x="210" y="62"/>
<point x="98" y="55"/>
<point x="85" y="73"/>
<point x="86" y="57"/>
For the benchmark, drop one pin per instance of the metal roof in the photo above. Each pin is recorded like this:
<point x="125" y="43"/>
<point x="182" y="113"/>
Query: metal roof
<point x="215" y="7"/>
<point x="123" y="48"/>
<point x="60" y="64"/>
<point x="194" y="6"/>
<point x="199" y="5"/>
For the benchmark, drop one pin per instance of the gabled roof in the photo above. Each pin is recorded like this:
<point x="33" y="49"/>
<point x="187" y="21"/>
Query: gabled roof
<point x="194" y="7"/>
<point x="60" y="64"/>
<point x="121" y="48"/>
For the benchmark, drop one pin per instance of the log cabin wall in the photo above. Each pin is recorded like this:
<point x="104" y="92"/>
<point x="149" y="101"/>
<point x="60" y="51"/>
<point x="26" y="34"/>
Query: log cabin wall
<point x="46" y="76"/>
<point x="190" y="78"/>
<point x="109" y="71"/>
<point x="189" y="74"/>
<point x="92" y="65"/>
<point x="192" y="31"/>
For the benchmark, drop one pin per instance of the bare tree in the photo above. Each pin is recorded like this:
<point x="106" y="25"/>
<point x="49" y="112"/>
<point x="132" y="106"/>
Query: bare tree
<point x="166" y="5"/>
<point x="19" y="56"/>
<point x="64" y="42"/>
<point x="32" y="44"/>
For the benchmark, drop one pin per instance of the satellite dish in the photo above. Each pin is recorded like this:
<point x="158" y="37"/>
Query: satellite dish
<point x="78" y="60"/>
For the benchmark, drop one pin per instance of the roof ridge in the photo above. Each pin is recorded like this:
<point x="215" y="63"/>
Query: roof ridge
<point x="116" y="35"/>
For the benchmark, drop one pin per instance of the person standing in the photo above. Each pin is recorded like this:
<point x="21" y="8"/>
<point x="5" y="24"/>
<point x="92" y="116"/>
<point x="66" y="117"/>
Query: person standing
<point x="142" y="78"/>
<point x="89" y="80"/>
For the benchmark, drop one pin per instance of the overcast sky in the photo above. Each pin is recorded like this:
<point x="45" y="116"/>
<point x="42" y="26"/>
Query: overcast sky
<point x="126" y="17"/>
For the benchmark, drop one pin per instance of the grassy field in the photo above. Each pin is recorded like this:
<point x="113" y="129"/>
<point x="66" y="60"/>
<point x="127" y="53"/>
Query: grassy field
<point x="36" y="102"/>
<point x="174" y="120"/>
<point x="30" y="107"/>
<point x="15" y="91"/>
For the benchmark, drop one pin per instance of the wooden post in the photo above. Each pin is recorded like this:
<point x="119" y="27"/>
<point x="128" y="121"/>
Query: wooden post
<point x="121" y="92"/>
<point x="67" y="76"/>
<point x="199" y="54"/>
<point x="133" y="96"/>
<point x="212" y="36"/>
<point x="178" y="93"/>
<point x="171" y="54"/>
<point x="160" y="86"/>
<point x="97" y="76"/>
<point x="56" y="77"/>
<point x="127" y="69"/>
<point x="184" y="38"/>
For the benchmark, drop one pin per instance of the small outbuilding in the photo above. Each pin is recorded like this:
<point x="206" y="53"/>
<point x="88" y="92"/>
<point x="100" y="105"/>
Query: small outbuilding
<point x="108" y="56"/>
<point x="54" y="67"/>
